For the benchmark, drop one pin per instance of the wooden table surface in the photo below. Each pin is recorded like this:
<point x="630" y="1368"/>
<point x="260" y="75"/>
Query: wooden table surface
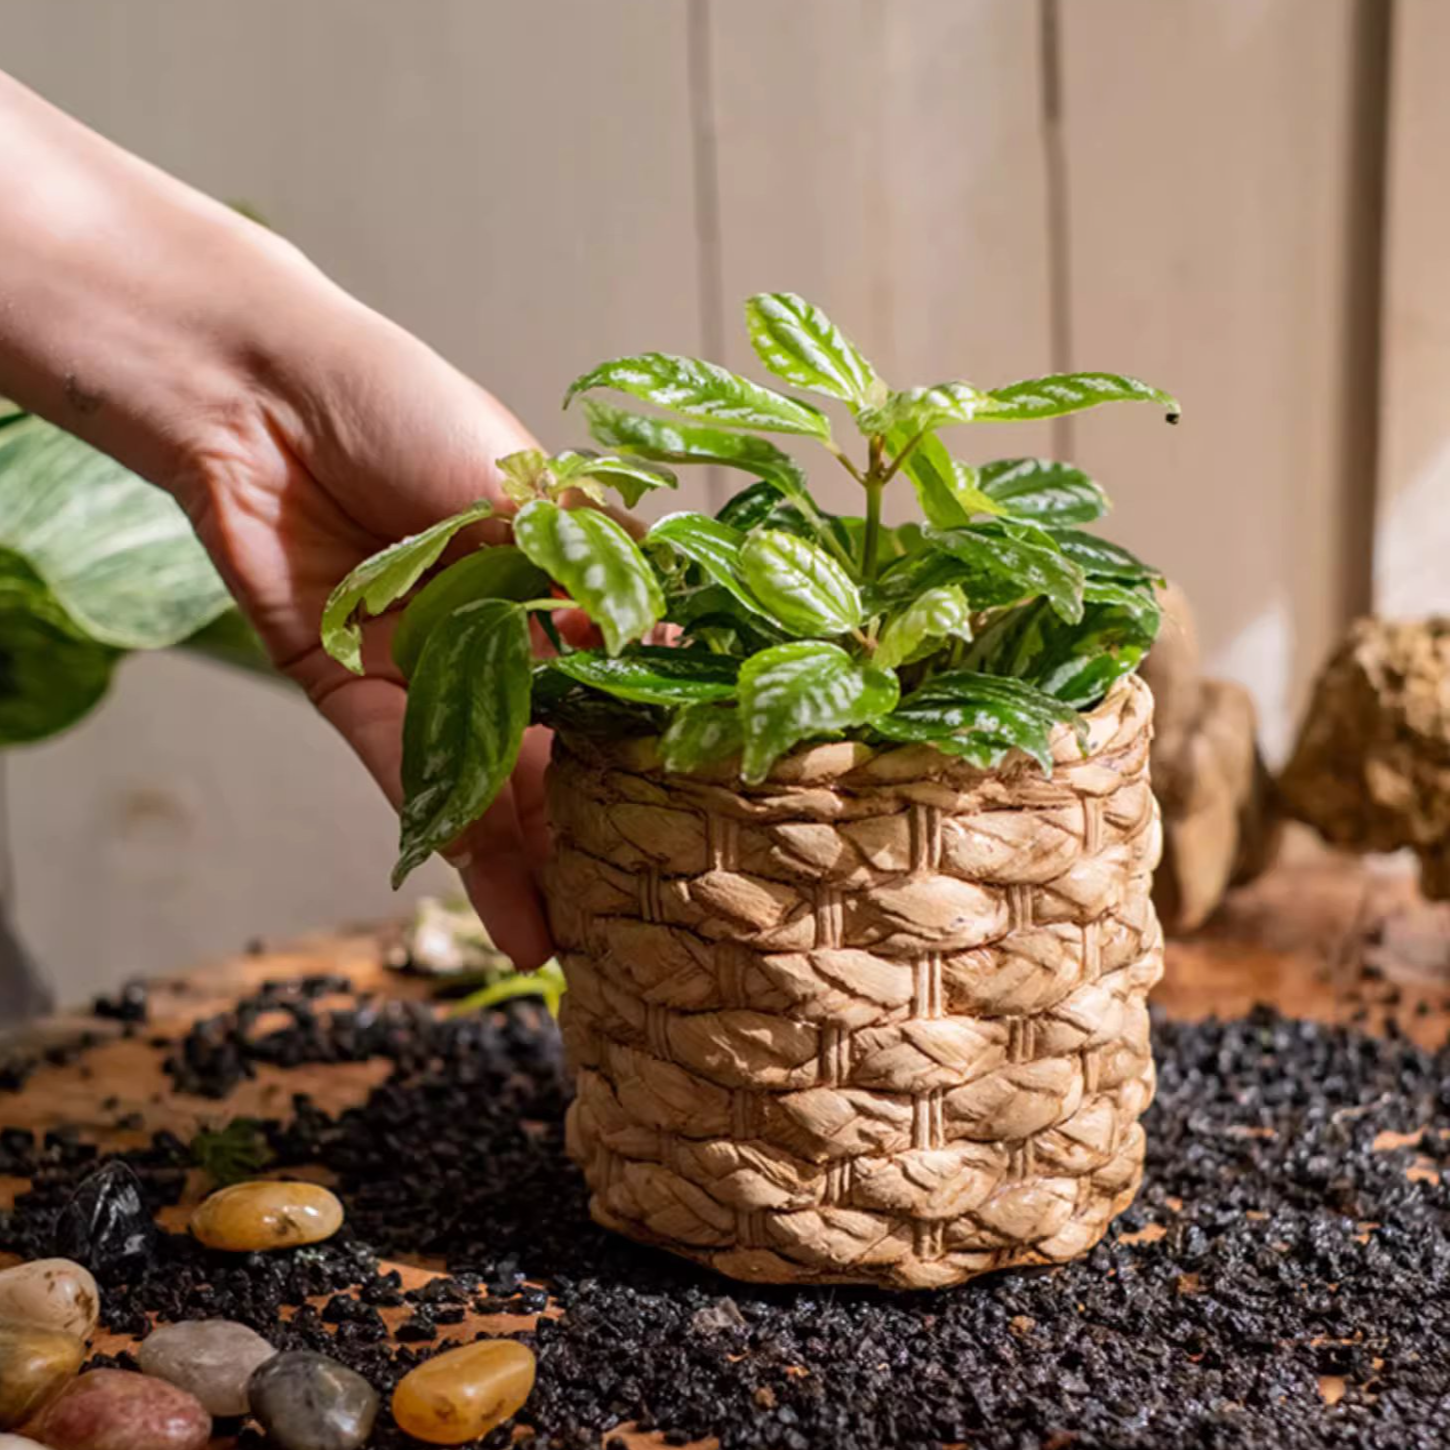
<point x="1319" y="936"/>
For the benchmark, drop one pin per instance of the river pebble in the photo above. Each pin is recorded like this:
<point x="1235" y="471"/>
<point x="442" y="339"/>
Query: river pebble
<point x="35" y="1364"/>
<point x="58" y="1293"/>
<point x="210" y="1358"/>
<point x="267" y="1215"/>
<point x="463" y="1393"/>
<point x="306" y="1401"/>
<point x="114" y="1409"/>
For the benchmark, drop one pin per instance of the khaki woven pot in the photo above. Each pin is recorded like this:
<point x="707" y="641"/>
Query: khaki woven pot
<point x="880" y="1019"/>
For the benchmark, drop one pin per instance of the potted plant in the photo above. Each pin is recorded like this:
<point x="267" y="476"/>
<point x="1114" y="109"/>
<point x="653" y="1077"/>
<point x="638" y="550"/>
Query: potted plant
<point x="851" y="885"/>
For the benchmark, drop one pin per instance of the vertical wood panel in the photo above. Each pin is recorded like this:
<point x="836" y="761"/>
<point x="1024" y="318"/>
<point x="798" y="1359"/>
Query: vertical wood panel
<point x="1210" y="165"/>
<point x="886" y="161"/>
<point x="1412" y="543"/>
<point x="513" y="181"/>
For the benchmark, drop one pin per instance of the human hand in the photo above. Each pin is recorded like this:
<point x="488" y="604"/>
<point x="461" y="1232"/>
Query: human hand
<point x="300" y="431"/>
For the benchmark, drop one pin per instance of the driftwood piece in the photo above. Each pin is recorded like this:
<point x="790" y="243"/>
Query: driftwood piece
<point x="1219" y="822"/>
<point x="880" y="1019"/>
<point x="1371" y="770"/>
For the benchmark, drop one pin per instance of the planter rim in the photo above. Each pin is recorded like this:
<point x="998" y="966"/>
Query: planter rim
<point x="846" y="761"/>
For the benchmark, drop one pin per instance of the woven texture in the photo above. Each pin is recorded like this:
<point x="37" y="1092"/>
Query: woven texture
<point x="879" y="1019"/>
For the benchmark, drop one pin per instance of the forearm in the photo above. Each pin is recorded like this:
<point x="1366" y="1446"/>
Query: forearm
<point x="132" y="308"/>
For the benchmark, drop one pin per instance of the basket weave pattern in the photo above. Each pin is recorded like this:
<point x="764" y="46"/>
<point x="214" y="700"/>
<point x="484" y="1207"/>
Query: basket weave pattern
<point x="879" y="1019"/>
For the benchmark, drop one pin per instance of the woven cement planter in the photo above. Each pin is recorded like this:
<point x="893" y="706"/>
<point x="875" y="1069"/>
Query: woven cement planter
<point x="881" y="1019"/>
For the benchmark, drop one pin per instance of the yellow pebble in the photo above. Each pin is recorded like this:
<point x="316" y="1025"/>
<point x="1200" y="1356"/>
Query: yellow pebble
<point x="267" y="1215"/>
<point x="463" y="1393"/>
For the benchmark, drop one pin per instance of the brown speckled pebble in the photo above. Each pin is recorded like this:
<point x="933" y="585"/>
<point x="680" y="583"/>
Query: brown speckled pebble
<point x="113" y="1409"/>
<point x="210" y="1358"/>
<point x="306" y="1401"/>
<point x="57" y="1293"/>
<point x="35" y="1364"/>
<point x="266" y="1214"/>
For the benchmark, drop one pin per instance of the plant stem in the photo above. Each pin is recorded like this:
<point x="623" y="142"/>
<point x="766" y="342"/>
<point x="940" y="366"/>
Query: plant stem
<point x="873" y="482"/>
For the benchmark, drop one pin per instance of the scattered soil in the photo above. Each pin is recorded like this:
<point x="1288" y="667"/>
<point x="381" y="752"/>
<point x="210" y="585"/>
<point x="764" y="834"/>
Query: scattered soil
<point x="1282" y="1281"/>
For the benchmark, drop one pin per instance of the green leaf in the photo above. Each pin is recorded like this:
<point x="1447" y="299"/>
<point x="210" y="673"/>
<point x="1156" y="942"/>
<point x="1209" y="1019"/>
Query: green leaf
<point x="1077" y="664"/>
<point x="976" y="716"/>
<point x="468" y="703"/>
<point x="501" y="572"/>
<point x="51" y="673"/>
<point x="118" y="554"/>
<point x="564" y="704"/>
<point x="664" y="441"/>
<point x="803" y="588"/>
<point x="547" y="983"/>
<point x="233" y="1153"/>
<point x="652" y="675"/>
<point x="631" y="478"/>
<point x="920" y="410"/>
<point x="1048" y="493"/>
<point x="948" y="490"/>
<point x="599" y="565"/>
<point x="1060" y="393"/>
<point x="714" y="546"/>
<point x="1099" y="559"/>
<point x="799" y="343"/>
<point x="704" y="391"/>
<point x="750" y="507"/>
<point x="933" y="616"/>
<point x="525" y="475"/>
<point x="383" y="579"/>
<point x="803" y="689"/>
<point x="1024" y="566"/>
<point x="699" y="736"/>
<point x="1137" y="599"/>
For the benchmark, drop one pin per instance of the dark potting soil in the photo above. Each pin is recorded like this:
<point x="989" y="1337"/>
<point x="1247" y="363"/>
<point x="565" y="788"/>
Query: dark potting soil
<point x="1293" y="1250"/>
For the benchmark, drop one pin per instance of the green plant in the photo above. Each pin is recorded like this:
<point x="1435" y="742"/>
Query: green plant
<point x="978" y="630"/>
<point x="231" y="1153"/>
<point x="95" y="563"/>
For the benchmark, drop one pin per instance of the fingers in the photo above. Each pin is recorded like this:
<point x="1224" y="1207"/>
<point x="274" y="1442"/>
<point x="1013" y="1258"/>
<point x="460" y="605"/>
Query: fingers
<point x="529" y="801"/>
<point x="497" y="874"/>
<point x="495" y="856"/>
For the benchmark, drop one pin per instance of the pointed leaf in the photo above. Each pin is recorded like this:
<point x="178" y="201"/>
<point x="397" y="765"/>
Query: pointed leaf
<point x="750" y="507"/>
<point x="382" y="580"/>
<point x="468" y="703"/>
<point x="1059" y="393"/>
<point x="802" y="587"/>
<point x="631" y="478"/>
<point x="807" y="688"/>
<point x="933" y="616"/>
<point x="501" y="572"/>
<point x="119" y="555"/>
<point x="51" y="672"/>
<point x="1046" y="492"/>
<point x="599" y="565"/>
<point x="920" y="410"/>
<point x="652" y="675"/>
<point x="966" y="713"/>
<point x="525" y="475"/>
<point x="1023" y="566"/>
<point x="1100" y="559"/>
<point x="714" y="546"/>
<point x="699" y="736"/>
<point x="705" y="391"/>
<point x="948" y="490"/>
<point x="664" y="441"/>
<point x="564" y="704"/>
<point x="799" y="343"/>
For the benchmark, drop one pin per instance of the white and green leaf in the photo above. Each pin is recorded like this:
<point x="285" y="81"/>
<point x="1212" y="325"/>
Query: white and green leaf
<point x="1059" y="393"/>
<point x="1098" y="558"/>
<point x="699" y="736"/>
<point x="382" y="580"/>
<point x="921" y="410"/>
<point x="654" y="675"/>
<point x="1016" y="561"/>
<point x="501" y="572"/>
<point x="935" y="615"/>
<point x="703" y="391"/>
<point x="799" y="343"/>
<point x="1044" y="491"/>
<point x="714" y="546"/>
<point x="631" y="478"/>
<point x="800" y="585"/>
<point x="597" y="563"/>
<point x="468" y="704"/>
<point x="118" y="554"/>
<point x="802" y="690"/>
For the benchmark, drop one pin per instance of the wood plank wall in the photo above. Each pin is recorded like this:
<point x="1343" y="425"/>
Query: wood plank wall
<point x="1186" y="189"/>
